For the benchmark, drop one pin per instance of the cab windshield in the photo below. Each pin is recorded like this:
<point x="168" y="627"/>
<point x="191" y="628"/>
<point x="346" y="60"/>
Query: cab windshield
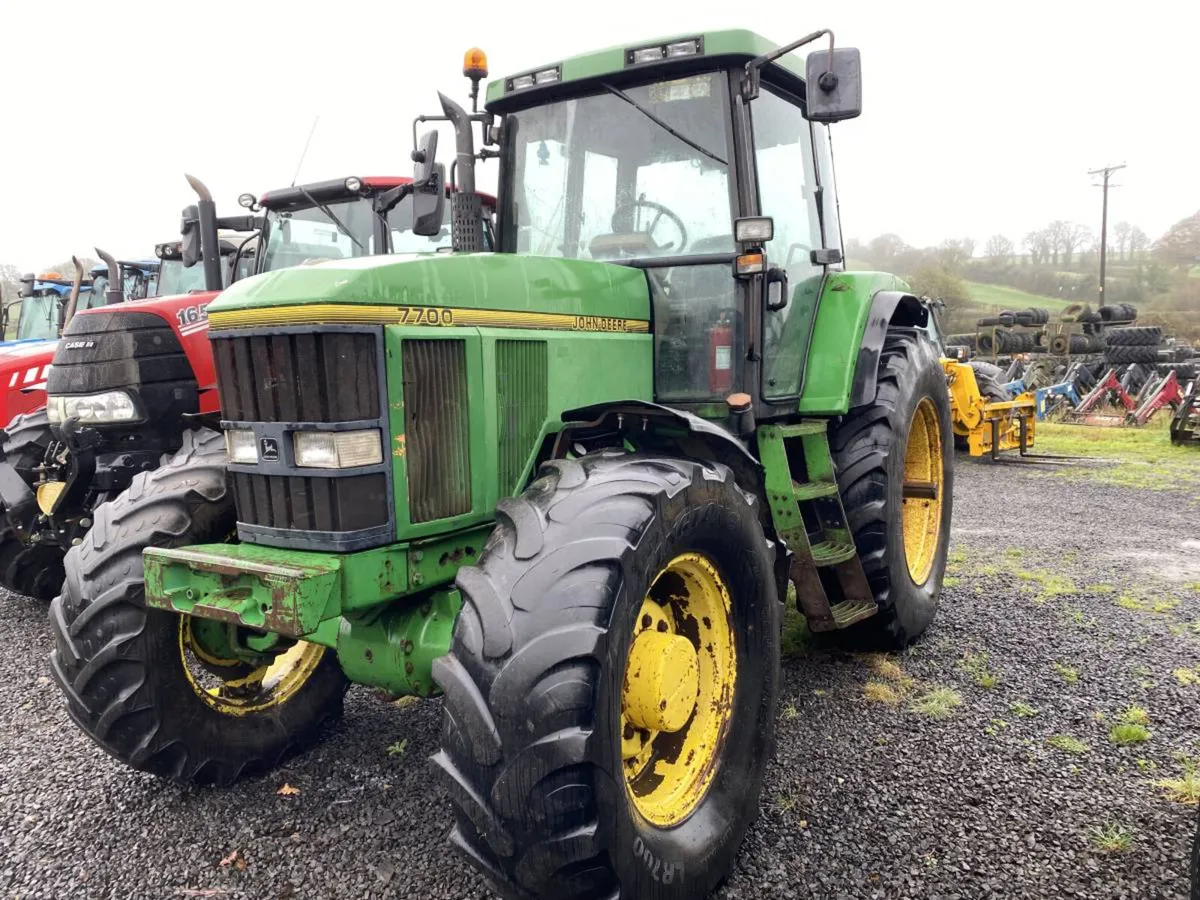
<point x="174" y="279"/>
<point x="639" y="173"/>
<point x="331" y="231"/>
<point x="39" y="316"/>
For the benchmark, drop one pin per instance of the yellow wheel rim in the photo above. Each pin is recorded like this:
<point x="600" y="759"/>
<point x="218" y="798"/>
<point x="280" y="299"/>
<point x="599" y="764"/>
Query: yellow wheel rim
<point x="253" y="688"/>
<point x="921" y="517"/>
<point x="678" y="690"/>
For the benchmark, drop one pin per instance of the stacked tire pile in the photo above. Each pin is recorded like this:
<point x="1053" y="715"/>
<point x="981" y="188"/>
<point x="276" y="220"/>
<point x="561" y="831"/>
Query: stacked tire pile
<point x="1132" y="344"/>
<point x="1001" y="339"/>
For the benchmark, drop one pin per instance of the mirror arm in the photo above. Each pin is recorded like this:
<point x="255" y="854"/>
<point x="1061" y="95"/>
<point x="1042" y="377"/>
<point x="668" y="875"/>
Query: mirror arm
<point x="751" y="79"/>
<point x="387" y="201"/>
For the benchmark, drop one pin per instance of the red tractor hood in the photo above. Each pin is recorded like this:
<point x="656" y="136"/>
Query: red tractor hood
<point x="23" y="368"/>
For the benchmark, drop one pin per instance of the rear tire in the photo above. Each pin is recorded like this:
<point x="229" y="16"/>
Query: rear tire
<point x="1127" y="355"/>
<point x="1137" y="336"/>
<point x="532" y="746"/>
<point x="870" y="446"/>
<point x="122" y="666"/>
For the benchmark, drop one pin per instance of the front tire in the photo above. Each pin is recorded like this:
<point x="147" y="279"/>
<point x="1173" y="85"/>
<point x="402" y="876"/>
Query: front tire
<point x="558" y="788"/>
<point x="903" y="436"/>
<point x="36" y="571"/>
<point x="138" y="680"/>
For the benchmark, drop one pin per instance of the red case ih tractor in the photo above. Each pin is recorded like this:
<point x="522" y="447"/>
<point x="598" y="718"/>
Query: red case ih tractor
<point x="128" y="382"/>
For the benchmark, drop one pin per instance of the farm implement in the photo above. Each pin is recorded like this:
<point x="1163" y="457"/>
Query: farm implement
<point x="564" y="481"/>
<point x="987" y="420"/>
<point x="1185" y="424"/>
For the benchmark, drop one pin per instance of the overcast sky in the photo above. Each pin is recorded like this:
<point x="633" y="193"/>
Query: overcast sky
<point x="978" y="118"/>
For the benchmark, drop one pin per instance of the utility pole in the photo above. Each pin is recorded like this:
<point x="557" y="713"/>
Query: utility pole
<point x="1106" y="172"/>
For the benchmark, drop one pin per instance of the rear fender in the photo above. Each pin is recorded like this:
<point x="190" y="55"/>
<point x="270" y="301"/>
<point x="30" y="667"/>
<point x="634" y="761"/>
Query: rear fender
<point x="853" y="316"/>
<point x="888" y="309"/>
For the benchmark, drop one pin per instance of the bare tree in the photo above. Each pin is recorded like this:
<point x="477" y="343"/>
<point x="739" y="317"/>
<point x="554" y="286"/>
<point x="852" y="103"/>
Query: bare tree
<point x="953" y="254"/>
<point x="1120" y="238"/>
<point x="1074" y="238"/>
<point x="1138" y="241"/>
<point x="1180" y="246"/>
<point x="10" y="281"/>
<point x="998" y="247"/>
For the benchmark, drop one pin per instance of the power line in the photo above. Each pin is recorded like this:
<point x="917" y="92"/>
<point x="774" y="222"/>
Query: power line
<point x="1106" y="172"/>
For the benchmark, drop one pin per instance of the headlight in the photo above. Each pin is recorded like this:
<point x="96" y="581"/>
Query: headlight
<point x="98" y="409"/>
<point x="241" y="446"/>
<point x="338" y="449"/>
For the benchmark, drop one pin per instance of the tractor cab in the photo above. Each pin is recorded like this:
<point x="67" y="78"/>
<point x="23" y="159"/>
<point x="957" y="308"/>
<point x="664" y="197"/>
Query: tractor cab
<point x="237" y="251"/>
<point x="139" y="279"/>
<point x="705" y="162"/>
<point x="39" y="305"/>
<point x="346" y="218"/>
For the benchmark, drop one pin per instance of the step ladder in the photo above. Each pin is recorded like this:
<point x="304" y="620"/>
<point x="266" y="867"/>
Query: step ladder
<point x="810" y="519"/>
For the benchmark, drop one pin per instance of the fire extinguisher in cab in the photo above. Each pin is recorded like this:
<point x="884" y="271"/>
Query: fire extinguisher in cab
<point x="720" y="355"/>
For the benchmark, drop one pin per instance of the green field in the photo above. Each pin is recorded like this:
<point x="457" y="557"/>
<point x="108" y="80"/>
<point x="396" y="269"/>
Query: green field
<point x="1011" y="298"/>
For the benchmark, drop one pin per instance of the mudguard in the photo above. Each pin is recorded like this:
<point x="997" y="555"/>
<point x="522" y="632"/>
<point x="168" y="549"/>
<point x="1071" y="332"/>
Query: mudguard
<point x="652" y="426"/>
<point x="888" y="308"/>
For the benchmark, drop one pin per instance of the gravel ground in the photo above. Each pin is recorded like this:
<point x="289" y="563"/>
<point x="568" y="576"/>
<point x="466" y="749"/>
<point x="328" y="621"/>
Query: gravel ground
<point x="1079" y="606"/>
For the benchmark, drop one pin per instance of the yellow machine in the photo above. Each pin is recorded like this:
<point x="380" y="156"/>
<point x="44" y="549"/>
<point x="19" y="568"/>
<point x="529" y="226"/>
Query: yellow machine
<point x="983" y="425"/>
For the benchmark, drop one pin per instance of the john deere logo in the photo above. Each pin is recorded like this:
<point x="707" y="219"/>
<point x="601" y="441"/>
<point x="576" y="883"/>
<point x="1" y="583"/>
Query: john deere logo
<point x="268" y="449"/>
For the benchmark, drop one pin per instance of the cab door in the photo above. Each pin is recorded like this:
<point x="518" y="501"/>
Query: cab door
<point x="793" y="173"/>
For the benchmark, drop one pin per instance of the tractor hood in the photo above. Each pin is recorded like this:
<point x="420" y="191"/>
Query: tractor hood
<point x="443" y="289"/>
<point x="23" y="369"/>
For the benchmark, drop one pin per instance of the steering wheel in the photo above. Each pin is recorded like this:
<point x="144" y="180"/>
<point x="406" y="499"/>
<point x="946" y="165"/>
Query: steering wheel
<point x="625" y="208"/>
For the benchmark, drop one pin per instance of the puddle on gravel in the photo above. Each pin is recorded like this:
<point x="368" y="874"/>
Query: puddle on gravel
<point x="1180" y="564"/>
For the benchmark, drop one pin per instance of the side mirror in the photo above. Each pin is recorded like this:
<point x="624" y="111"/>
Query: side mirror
<point x="189" y="229"/>
<point x="27" y="285"/>
<point x="833" y="84"/>
<point x="425" y="157"/>
<point x="429" y="202"/>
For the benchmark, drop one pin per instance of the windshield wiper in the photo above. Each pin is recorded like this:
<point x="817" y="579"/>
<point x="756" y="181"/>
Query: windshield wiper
<point x="661" y="124"/>
<point x="334" y="219"/>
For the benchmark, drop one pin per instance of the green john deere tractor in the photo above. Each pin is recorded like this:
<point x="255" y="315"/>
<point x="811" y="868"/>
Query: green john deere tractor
<point x="564" y="484"/>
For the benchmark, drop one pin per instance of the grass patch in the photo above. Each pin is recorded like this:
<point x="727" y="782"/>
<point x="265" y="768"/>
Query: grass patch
<point x="881" y="692"/>
<point x="1185" y="789"/>
<point x="1138" y="604"/>
<point x="1111" y="838"/>
<point x="1128" y="733"/>
<point x="398" y="748"/>
<point x="1187" y="676"/>
<point x="1135" y="715"/>
<point x="1076" y="616"/>
<point x="1069" y="674"/>
<point x="950" y="581"/>
<point x="1022" y="709"/>
<point x="975" y="665"/>
<point x="1067" y="744"/>
<point x="1010" y="298"/>
<point x="937" y="703"/>
<point x="1148" y="460"/>
<point x="797" y="639"/>
<point x="790" y="711"/>
<point x="1100" y="589"/>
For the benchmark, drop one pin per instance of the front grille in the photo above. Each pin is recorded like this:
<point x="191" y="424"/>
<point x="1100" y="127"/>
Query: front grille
<point x="436" y="429"/>
<point x="298" y="377"/>
<point x="304" y="503"/>
<point x="520" y="405"/>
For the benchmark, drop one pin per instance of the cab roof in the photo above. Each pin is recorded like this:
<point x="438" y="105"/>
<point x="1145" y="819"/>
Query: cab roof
<point x="713" y="49"/>
<point x="335" y="190"/>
